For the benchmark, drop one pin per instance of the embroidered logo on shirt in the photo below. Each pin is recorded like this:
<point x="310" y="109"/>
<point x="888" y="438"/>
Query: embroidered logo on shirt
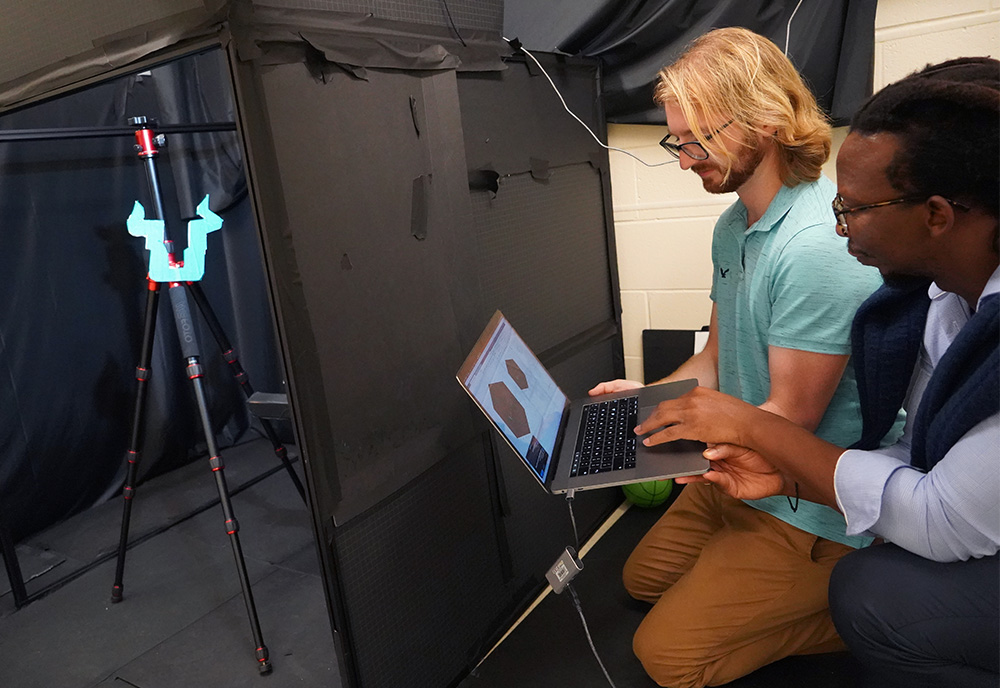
<point x="723" y="272"/>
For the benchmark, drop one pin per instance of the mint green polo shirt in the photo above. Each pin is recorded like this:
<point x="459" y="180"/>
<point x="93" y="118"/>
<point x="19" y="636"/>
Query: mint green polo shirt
<point x="788" y="281"/>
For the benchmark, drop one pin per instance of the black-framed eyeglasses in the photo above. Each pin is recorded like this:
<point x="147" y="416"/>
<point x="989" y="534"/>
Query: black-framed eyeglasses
<point x="841" y="211"/>
<point x="693" y="149"/>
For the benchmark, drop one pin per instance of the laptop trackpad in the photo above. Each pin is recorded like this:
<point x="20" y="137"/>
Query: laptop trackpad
<point x="675" y="447"/>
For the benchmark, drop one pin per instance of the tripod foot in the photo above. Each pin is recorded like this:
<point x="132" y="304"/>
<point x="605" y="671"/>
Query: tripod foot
<point x="263" y="665"/>
<point x="116" y="594"/>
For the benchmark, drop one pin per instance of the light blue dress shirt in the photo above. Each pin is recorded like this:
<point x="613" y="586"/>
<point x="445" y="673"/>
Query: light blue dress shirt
<point x="952" y="512"/>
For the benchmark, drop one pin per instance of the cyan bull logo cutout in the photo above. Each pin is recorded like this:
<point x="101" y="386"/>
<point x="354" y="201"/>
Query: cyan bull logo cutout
<point x="192" y="266"/>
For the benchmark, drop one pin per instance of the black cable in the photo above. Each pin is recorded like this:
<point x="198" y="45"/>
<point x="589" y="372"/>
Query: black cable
<point x="586" y="629"/>
<point x="454" y="28"/>
<point x="572" y="518"/>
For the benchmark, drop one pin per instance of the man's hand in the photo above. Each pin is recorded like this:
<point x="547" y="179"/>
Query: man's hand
<point x="701" y="414"/>
<point x="740" y="472"/>
<point x="614" y="386"/>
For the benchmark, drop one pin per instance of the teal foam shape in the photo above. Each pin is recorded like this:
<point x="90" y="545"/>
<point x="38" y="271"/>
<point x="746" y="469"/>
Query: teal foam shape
<point x="191" y="268"/>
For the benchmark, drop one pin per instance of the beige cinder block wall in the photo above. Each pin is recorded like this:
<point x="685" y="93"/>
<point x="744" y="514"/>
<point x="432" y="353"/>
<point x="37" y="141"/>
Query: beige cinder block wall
<point x="663" y="218"/>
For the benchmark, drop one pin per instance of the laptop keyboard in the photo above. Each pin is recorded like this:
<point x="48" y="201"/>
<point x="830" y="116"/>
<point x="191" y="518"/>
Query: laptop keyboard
<point x="606" y="441"/>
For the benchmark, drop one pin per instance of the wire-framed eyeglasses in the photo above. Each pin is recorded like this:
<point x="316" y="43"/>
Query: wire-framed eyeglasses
<point x="841" y="211"/>
<point x="693" y="149"/>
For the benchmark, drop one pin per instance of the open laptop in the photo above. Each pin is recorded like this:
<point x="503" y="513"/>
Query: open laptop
<point x="570" y="445"/>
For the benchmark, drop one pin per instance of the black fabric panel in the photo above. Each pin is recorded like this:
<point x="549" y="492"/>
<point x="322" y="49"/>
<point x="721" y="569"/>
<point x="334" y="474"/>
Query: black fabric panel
<point x="355" y="42"/>
<point x="541" y="244"/>
<point x="423" y="578"/>
<point x="663" y="352"/>
<point x="831" y="43"/>
<point x="505" y="133"/>
<point x="392" y="314"/>
<point x="72" y="319"/>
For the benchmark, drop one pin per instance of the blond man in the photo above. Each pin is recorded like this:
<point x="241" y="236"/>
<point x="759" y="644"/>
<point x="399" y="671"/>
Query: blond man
<point x="736" y="584"/>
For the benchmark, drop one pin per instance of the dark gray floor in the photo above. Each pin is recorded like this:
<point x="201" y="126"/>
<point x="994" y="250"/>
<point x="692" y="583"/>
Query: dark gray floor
<point x="183" y="621"/>
<point x="550" y="648"/>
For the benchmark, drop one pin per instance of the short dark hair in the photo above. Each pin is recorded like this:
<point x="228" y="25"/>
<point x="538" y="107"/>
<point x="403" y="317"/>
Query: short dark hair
<point x="947" y="117"/>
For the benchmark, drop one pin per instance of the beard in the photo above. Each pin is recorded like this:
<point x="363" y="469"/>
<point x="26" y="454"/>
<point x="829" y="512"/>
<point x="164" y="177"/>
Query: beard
<point x="744" y="167"/>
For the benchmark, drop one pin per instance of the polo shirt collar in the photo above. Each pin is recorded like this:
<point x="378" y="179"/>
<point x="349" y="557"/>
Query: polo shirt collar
<point x="776" y="210"/>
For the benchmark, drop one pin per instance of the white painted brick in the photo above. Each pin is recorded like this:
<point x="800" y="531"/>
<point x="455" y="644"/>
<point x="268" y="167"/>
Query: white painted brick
<point x="899" y="12"/>
<point x="635" y="319"/>
<point x="633" y="368"/>
<point x="679" y="310"/>
<point x="902" y="56"/>
<point x="629" y="136"/>
<point x="830" y="168"/>
<point x="670" y="254"/>
<point x="623" y="176"/>
<point x="669" y="182"/>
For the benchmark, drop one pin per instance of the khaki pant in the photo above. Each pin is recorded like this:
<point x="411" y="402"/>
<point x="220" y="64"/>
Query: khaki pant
<point x="732" y="589"/>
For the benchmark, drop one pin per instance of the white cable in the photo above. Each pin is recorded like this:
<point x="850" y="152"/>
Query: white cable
<point x="579" y="610"/>
<point x="582" y="123"/>
<point x="788" y="28"/>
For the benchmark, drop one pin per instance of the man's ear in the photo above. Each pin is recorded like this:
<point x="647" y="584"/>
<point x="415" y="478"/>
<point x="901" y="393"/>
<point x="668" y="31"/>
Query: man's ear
<point x="940" y="215"/>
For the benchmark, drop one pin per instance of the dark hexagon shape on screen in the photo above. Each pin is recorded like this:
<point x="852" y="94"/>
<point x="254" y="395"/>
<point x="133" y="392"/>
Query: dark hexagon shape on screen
<point x="509" y="408"/>
<point x="517" y="374"/>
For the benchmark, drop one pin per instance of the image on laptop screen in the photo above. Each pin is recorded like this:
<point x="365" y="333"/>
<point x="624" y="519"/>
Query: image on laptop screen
<point x="513" y="388"/>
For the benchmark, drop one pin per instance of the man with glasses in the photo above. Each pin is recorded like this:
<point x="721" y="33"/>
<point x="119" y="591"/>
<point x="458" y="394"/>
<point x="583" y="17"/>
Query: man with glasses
<point x="925" y="609"/>
<point x="738" y="584"/>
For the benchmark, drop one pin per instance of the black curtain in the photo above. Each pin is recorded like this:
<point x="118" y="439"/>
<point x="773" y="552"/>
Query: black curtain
<point x="71" y="319"/>
<point x="831" y="42"/>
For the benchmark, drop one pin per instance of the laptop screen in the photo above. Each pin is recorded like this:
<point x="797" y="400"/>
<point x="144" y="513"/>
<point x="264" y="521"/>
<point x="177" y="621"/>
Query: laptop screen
<point x="516" y="392"/>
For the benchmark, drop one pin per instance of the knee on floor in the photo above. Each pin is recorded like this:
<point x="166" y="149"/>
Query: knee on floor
<point x="637" y="585"/>
<point x="663" y="666"/>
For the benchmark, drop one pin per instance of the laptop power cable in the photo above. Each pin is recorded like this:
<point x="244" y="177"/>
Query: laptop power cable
<point x="560" y="576"/>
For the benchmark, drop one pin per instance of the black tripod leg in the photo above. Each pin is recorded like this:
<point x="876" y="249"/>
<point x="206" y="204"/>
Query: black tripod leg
<point x="189" y="347"/>
<point x="142" y="372"/>
<point x="10" y="562"/>
<point x="228" y="353"/>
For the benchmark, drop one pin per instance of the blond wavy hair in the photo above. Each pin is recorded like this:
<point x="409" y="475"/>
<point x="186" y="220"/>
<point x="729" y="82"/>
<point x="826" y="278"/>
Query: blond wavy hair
<point x="736" y="74"/>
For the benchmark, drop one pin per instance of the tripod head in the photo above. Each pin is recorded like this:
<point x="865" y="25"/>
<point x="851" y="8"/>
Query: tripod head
<point x="146" y="140"/>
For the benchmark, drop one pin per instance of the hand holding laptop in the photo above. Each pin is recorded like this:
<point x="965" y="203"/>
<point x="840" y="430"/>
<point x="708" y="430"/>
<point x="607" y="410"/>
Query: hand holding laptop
<point x="612" y="386"/>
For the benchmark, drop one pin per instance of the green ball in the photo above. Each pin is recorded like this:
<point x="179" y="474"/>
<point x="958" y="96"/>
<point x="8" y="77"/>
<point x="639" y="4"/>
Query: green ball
<point x="648" y="494"/>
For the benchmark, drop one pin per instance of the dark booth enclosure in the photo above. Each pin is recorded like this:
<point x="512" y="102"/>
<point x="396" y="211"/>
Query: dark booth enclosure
<point x="432" y="537"/>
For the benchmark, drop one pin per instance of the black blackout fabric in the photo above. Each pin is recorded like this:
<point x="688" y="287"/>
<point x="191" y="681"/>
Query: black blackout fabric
<point x="831" y="42"/>
<point x="351" y="35"/>
<point x="71" y="319"/>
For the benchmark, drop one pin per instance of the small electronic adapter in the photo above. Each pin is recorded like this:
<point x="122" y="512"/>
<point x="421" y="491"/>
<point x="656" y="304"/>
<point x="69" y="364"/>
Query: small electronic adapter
<point x="564" y="570"/>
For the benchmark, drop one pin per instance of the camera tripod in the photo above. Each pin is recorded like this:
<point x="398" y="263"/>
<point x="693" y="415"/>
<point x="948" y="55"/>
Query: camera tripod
<point x="146" y="146"/>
